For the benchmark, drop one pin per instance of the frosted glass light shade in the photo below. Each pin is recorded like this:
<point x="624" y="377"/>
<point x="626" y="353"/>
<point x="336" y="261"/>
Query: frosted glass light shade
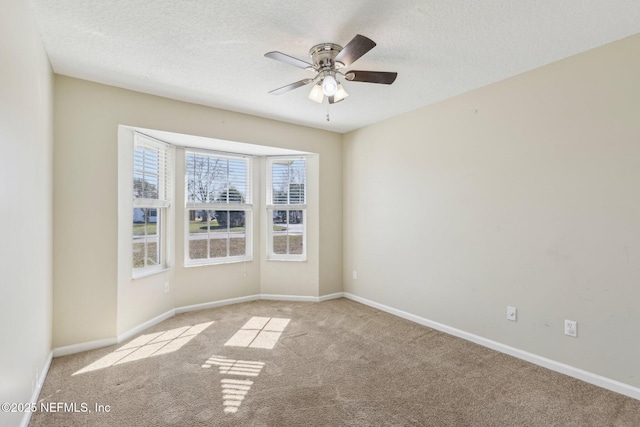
<point x="340" y="94"/>
<point x="329" y="86"/>
<point x="316" y="94"/>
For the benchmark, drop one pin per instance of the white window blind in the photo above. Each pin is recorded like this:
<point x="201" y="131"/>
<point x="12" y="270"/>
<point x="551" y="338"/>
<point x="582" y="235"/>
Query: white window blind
<point x="150" y="172"/>
<point x="214" y="179"/>
<point x="287" y="181"/>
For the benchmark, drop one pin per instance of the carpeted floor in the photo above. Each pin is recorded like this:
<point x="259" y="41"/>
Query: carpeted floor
<point x="335" y="363"/>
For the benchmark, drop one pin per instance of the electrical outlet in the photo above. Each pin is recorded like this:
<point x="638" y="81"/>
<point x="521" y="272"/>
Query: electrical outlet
<point x="166" y="287"/>
<point x="512" y="313"/>
<point x="355" y="275"/>
<point x="571" y="328"/>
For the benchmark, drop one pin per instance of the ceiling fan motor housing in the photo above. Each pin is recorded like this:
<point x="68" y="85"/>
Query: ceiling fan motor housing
<point x="323" y="56"/>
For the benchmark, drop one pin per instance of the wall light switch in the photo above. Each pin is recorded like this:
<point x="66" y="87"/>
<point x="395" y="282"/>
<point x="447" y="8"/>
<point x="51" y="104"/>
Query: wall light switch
<point x="166" y="287"/>
<point x="512" y="313"/>
<point x="355" y="275"/>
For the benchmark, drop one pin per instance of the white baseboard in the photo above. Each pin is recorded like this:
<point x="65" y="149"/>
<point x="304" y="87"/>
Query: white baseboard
<point x="84" y="346"/>
<point x="299" y="298"/>
<point x="589" y="377"/>
<point x="36" y="392"/>
<point x="213" y="304"/>
<point x="277" y="297"/>
<point x="330" y="296"/>
<point x="146" y="325"/>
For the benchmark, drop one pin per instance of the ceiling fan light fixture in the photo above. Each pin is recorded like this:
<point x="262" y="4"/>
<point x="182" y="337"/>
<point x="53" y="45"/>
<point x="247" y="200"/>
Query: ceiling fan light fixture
<point x="326" y="60"/>
<point x="316" y="94"/>
<point x="340" y="93"/>
<point x="329" y="85"/>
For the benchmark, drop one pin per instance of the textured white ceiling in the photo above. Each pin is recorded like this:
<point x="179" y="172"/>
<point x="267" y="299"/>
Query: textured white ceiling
<point x="211" y="51"/>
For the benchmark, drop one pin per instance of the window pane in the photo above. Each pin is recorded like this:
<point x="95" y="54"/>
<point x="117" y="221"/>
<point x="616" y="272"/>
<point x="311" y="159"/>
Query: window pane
<point x="139" y="233"/>
<point x="139" y="222"/>
<point x="280" y="232"/>
<point x="288" y="232"/>
<point x="199" y="222"/>
<point x="146" y="247"/>
<point x="280" y="244"/>
<point x="153" y="254"/>
<point x="197" y="248"/>
<point x="138" y="253"/>
<point x="218" y="246"/>
<point x="237" y="246"/>
<point x="152" y="221"/>
<point x="237" y="233"/>
<point x="296" y="231"/>
<point x="219" y="235"/>
<point x="153" y="237"/>
<point x="221" y="218"/>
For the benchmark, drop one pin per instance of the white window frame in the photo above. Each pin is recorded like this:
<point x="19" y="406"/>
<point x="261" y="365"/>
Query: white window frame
<point x="161" y="204"/>
<point x="246" y="207"/>
<point x="271" y="207"/>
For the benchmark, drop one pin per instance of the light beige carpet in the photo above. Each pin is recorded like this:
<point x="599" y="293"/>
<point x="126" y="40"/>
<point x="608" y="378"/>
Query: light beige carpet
<point x="335" y="363"/>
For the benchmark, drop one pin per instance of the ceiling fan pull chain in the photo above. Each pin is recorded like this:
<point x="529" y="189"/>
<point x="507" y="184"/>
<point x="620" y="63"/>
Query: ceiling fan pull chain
<point x="327" y="112"/>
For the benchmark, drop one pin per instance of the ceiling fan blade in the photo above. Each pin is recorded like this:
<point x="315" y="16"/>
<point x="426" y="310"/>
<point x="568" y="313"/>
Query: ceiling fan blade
<point x="357" y="47"/>
<point x="333" y="101"/>
<point x="383" y="77"/>
<point x="279" y="56"/>
<point x="291" y="86"/>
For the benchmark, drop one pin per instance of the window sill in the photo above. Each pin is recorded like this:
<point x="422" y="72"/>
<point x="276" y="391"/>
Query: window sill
<point x="147" y="273"/>
<point x="207" y="263"/>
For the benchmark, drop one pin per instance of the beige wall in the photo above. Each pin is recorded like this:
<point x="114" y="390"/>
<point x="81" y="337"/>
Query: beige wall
<point x="521" y="193"/>
<point x="25" y="207"/>
<point x="94" y="296"/>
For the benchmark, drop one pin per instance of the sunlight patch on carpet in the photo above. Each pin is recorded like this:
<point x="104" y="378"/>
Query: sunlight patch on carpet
<point x="226" y="366"/>
<point x="234" y="390"/>
<point x="233" y="393"/>
<point x="259" y="332"/>
<point x="148" y="345"/>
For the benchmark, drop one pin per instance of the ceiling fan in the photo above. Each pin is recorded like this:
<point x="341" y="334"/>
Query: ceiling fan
<point x="328" y="59"/>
